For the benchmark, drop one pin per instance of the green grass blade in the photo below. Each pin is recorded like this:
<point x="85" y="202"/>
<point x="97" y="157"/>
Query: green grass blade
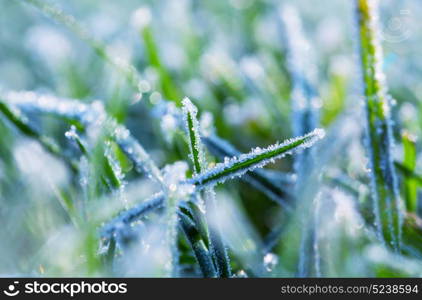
<point x="386" y="200"/>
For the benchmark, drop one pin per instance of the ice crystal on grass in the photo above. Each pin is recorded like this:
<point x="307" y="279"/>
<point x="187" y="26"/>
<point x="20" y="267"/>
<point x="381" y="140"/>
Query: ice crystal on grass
<point x="275" y="186"/>
<point x="73" y="135"/>
<point x="270" y="261"/>
<point x="257" y="158"/>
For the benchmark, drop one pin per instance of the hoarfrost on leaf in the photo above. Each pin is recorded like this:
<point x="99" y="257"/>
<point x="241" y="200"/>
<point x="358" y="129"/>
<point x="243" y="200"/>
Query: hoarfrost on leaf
<point x="257" y="158"/>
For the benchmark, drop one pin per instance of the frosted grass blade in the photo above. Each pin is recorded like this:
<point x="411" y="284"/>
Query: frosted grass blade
<point x="379" y="139"/>
<point x="257" y="158"/>
<point x="72" y="135"/>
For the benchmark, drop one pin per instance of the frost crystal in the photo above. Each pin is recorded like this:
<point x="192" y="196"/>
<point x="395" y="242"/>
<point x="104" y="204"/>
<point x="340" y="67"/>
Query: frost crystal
<point x="270" y="261"/>
<point x="71" y="133"/>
